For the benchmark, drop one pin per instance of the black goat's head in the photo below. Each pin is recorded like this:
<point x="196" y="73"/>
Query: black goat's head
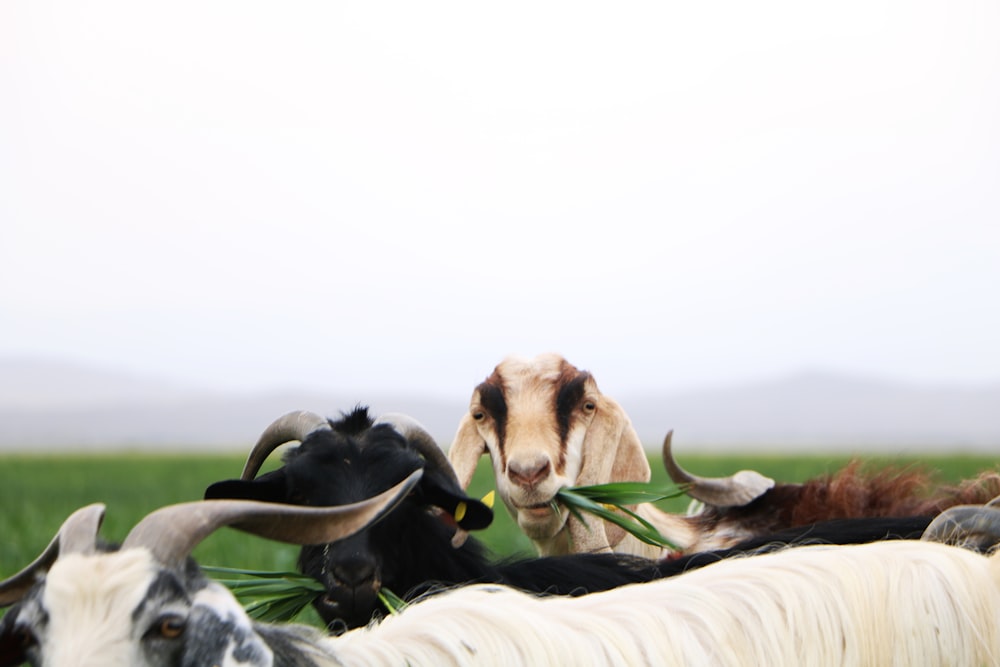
<point x="347" y="460"/>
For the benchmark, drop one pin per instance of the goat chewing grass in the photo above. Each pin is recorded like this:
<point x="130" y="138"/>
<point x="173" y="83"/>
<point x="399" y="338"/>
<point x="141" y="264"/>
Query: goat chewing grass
<point x="609" y="501"/>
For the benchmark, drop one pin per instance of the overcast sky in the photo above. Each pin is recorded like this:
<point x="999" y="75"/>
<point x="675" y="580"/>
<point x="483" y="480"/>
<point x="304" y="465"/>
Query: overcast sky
<point x="378" y="196"/>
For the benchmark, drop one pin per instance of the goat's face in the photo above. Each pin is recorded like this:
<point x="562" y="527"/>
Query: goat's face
<point x="117" y="609"/>
<point x="354" y="460"/>
<point x="333" y="469"/>
<point x="533" y="416"/>
<point x="148" y="603"/>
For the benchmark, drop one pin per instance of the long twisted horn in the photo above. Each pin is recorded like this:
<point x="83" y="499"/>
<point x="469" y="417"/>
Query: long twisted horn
<point x="172" y="532"/>
<point x="78" y="534"/>
<point x="292" y="426"/>
<point x="734" y="491"/>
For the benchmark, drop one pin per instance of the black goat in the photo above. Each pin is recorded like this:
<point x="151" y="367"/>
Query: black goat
<point x="339" y="462"/>
<point x="410" y="551"/>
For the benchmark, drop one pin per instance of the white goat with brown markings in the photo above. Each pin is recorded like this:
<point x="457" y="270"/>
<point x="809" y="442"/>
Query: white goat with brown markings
<point x="546" y="425"/>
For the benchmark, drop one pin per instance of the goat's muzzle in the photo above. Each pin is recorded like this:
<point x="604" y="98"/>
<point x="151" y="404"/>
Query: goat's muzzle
<point x="351" y="605"/>
<point x="529" y="474"/>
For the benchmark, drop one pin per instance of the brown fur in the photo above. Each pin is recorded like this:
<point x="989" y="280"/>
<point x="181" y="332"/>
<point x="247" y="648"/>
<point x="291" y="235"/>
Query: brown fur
<point x="855" y="492"/>
<point x="892" y="491"/>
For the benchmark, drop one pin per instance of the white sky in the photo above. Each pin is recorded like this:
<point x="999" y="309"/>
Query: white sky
<point x="397" y="195"/>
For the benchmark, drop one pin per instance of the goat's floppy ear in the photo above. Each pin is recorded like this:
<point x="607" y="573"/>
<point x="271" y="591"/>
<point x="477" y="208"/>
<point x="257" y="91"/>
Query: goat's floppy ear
<point x="466" y="450"/>
<point x="440" y="490"/>
<point x="612" y="450"/>
<point x="271" y="487"/>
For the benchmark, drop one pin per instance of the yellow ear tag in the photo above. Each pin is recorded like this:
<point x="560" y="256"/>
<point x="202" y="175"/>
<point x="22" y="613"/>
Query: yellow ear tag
<point x="488" y="499"/>
<point x="460" y="511"/>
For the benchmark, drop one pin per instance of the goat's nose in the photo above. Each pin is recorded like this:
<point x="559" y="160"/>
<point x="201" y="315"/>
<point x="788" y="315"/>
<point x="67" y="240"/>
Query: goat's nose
<point x="354" y="572"/>
<point x="528" y="473"/>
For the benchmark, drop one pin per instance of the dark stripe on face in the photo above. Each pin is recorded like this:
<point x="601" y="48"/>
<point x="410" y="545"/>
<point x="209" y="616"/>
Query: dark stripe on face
<point x="165" y="588"/>
<point x="569" y="395"/>
<point x="493" y="402"/>
<point x="209" y="639"/>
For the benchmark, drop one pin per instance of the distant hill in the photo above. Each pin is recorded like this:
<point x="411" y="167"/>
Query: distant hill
<point x="825" y="411"/>
<point x="46" y="405"/>
<point x="42" y="384"/>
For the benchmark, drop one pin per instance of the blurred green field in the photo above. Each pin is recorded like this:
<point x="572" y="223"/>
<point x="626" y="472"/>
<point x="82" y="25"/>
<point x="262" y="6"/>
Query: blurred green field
<point x="38" y="492"/>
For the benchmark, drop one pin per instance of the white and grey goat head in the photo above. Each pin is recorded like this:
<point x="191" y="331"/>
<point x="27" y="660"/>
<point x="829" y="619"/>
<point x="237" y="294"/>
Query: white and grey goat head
<point x="147" y="603"/>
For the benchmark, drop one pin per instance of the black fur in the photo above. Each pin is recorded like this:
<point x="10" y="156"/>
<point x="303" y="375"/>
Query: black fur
<point x="836" y="531"/>
<point x="409" y="551"/>
<point x="14" y="643"/>
<point x="354" y="461"/>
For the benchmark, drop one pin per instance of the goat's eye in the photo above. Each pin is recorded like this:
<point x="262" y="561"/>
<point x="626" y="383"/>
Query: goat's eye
<point x="170" y="626"/>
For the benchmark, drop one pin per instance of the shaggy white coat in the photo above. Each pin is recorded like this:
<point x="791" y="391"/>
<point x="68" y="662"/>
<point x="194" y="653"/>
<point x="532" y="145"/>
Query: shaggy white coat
<point x="886" y="604"/>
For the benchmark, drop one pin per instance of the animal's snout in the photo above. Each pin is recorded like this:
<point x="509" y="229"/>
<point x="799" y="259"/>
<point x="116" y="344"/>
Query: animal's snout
<point x="528" y="474"/>
<point x="354" y="572"/>
<point x="352" y="593"/>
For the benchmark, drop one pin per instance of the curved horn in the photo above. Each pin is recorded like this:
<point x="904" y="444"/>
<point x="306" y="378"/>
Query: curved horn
<point x="78" y="534"/>
<point x="974" y="525"/>
<point x="734" y="491"/>
<point x="418" y="436"/>
<point x="292" y="426"/>
<point x="172" y="532"/>
<point x="442" y="487"/>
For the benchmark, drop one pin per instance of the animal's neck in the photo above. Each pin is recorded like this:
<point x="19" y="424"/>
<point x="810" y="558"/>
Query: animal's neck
<point x="557" y="545"/>
<point x="444" y="565"/>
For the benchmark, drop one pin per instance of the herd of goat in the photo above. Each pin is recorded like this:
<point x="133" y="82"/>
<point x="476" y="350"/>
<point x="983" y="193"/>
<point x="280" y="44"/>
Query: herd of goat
<point x="854" y="568"/>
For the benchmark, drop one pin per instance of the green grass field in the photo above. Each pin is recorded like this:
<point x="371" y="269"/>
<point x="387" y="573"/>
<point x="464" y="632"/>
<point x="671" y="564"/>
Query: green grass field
<point x="38" y="492"/>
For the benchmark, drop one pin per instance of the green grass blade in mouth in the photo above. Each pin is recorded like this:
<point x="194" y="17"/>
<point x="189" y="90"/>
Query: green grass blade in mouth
<point x="628" y="493"/>
<point x="269" y="596"/>
<point x="281" y="596"/>
<point x="599" y="500"/>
